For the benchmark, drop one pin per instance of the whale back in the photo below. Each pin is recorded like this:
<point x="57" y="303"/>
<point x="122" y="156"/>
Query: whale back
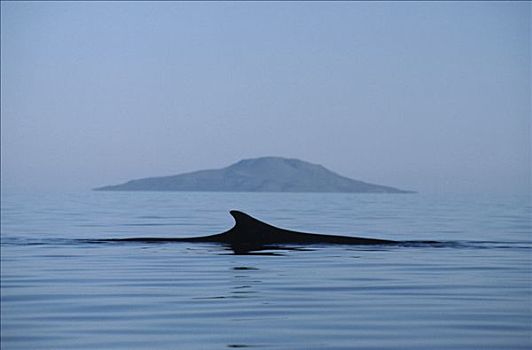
<point x="248" y="230"/>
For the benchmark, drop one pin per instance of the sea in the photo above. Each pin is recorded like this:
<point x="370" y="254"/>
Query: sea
<point x="59" y="290"/>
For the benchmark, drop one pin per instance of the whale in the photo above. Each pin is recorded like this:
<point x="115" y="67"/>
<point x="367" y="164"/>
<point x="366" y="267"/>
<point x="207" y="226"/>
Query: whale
<point x="250" y="235"/>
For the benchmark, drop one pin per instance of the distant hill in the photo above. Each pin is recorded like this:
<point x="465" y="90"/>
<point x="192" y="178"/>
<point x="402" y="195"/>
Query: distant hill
<point x="266" y="174"/>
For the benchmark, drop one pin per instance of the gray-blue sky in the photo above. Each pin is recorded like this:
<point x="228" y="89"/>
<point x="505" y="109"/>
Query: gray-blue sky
<point x="424" y="96"/>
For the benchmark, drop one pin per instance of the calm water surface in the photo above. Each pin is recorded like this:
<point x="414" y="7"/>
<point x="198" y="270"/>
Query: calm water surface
<point x="59" y="293"/>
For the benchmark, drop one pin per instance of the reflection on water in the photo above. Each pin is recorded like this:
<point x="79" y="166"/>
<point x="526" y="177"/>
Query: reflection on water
<point x="60" y="293"/>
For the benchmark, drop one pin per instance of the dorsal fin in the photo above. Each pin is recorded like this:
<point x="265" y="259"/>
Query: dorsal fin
<point x="250" y="230"/>
<point x="244" y="221"/>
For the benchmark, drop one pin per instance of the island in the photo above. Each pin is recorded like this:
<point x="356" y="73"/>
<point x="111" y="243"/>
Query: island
<point x="265" y="174"/>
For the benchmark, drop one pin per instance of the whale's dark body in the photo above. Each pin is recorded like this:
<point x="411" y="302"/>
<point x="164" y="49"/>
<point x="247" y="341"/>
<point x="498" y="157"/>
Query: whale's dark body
<point x="249" y="234"/>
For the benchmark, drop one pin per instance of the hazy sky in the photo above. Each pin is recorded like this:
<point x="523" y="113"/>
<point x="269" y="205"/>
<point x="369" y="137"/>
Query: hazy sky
<point x="433" y="97"/>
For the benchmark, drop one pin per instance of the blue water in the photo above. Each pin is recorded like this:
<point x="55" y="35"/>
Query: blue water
<point x="60" y="293"/>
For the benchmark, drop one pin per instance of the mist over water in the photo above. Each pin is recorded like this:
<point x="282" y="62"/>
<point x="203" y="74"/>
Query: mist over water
<point x="427" y="96"/>
<point x="60" y="293"/>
